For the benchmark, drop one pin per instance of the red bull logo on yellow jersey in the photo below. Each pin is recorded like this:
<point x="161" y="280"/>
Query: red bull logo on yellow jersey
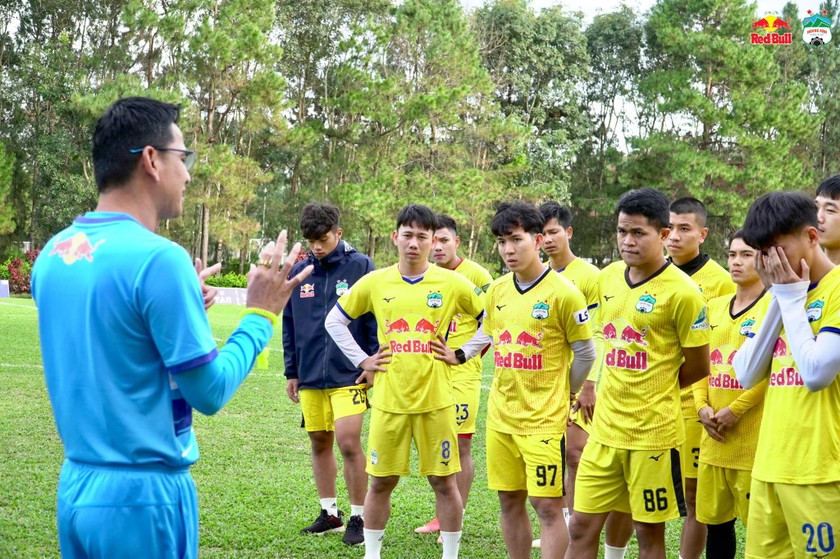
<point x="787" y="376"/>
<point x="75" y="248"/>
<point x="507" y="359"/>
<point x="401" y="325"/>
<point x="722" y="380"/>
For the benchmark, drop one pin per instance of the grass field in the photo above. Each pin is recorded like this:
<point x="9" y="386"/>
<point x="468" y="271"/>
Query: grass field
<point x="254" y="477"/>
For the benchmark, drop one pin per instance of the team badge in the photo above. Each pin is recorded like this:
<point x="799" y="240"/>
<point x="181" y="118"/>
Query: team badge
<point x="478" y="290"/>
<point x="645" y="303"/>
<point x="814" y="310"/>
<point x="435" y="300"/>
<point x="540" y="310"/>
<point x="341" y="287"/>
<point x="374" y="458"/>
<point x="702" y="321"/>
<point x="307" y="290"/>
<point x="746" y="327"/>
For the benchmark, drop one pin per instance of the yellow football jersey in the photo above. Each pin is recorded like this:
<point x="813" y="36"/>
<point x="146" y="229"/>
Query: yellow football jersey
<point x="645" y="327"/>
<point x="799" y="441"/>
<point x="721" y="389"/>
<point x="714" y="281"/>
<point x="410" y="314"/>
<point x="463" y="326"/>
<point x="585" y="277"/>
<point x="531" y="332"/>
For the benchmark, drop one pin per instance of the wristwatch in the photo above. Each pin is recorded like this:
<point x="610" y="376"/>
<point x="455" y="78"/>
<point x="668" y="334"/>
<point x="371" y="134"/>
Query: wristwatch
<point x="459" y="354"/>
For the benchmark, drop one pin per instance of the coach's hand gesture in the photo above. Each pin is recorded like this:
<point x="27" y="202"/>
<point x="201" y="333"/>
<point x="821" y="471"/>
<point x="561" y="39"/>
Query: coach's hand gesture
<point x="207" y="292"/>
<point x="269" y="286"/>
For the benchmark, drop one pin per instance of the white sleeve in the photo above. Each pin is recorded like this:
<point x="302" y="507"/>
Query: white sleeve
<point x="817" y="358"/>
<point x="336" y="325"/>
<point x="475" y="345"/>
<point x="752" y="361"/>
<point x="585" y="355"/>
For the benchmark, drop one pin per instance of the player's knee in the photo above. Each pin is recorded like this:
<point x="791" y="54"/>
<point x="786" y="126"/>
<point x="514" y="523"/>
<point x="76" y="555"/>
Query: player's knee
<point x="383" y="484"/>
<point x="350" y="447"/>
<point x="322" y="441"/>
<point x="650" y="535"/>
<point x="548" y="510"/>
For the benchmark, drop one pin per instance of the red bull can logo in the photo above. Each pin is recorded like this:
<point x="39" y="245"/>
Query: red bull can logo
<point x="769" y="31"/>
<point x="75" y="248"/>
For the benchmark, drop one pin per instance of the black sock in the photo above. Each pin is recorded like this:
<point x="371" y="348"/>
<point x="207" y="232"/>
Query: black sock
<point x="720" y="543"/>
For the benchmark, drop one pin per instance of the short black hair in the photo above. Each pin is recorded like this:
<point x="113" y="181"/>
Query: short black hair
<point x="510" y="215"/>
<point x="830" y="187"/>
<point x="739" y="234"/>
<point x="647" y="202"/>
<point x="446" y="222"/>
<point x="555" y="210"/>
<point x="130" y="123"/>
<point x="317" y="219"/>
<point x="778" y="213"/>
<point x="689" y="205"/>
<point x="418" y="215"/>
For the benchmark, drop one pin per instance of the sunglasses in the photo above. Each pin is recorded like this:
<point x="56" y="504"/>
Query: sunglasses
<point x="189" y="160"/>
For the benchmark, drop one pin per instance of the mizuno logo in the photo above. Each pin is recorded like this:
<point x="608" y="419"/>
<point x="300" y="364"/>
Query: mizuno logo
<point x="713" y="326"/>
<point x="546" y="441"/>
<point x="388" y="299"/>
<point x="608" y="297"/>
<point x="445" y="462"/>
<point x="500" y="307"/>
<point x="656" y="458"/>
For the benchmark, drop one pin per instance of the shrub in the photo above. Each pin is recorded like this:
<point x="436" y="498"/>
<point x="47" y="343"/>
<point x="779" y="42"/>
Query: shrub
<point x="19" y="272"/>
<point x="231" y="279"/>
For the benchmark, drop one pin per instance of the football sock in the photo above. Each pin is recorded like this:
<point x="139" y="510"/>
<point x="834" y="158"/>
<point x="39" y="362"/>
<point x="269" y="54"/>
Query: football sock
<point x="330" y="506"/>
<point x="357" y="510"/>
<point x="373" y="543"/>
<point x="611" y="552"/>
<point x="451" y="543"/>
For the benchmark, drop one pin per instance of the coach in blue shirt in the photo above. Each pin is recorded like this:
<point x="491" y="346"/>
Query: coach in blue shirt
<point x="320" y="377"/>
<point x="127" y="347"/>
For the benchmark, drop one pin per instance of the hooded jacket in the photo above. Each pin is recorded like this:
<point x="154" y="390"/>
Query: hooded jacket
<point x="310" y="354"/>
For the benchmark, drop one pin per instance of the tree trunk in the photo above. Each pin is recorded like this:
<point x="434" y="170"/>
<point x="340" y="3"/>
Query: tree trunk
<point x="371" y="244"/>
<point x="205" y="231"/>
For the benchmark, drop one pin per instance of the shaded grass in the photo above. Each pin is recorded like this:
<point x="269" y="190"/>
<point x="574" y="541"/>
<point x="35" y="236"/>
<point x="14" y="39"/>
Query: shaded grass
<point x="254" y="477"/>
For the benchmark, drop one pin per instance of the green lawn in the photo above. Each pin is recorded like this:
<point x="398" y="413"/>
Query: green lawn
<point x="254" y="476"/>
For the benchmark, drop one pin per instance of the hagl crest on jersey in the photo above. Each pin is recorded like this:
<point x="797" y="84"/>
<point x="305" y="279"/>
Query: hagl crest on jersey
<point x="435" y="300"/>
<point x="341" y="287"/>
<point x="746" y="327"/>
<point x="540" y="310"/>
<point x="646" y="303"/>
<point x="815" y="310"/>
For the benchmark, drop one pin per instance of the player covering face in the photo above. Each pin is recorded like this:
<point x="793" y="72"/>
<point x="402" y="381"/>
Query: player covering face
<point x="794" y="505"/>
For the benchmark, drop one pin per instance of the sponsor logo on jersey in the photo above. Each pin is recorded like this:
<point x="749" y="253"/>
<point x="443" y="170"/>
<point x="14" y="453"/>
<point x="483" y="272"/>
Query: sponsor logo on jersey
<point x="626" y="360"/>
<point x="402" y="326"/>
<point x="307" y="291"/>
<point x="582" y="316"/>
<point x="645" y="303"/>
<point x="716" y="357"/>
<point x="722" y="380"/>
<point x="746" y="327"/>
<point x="787" y="376"/>
<point x="341" y="287"/>
<point x="780" y="349"/>
<point x="815" y="310"/>
<point x="540" y="310"/>
<point x="628" y="334"/>
<point x="516" y="359"/>
<point x="702" y="321"/>
<point x="75" y="248"/>
<point x="435" y="300"/>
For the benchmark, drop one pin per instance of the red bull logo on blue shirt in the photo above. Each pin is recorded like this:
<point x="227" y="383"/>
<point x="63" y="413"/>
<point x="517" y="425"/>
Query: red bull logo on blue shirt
<point x="75" y="248"/>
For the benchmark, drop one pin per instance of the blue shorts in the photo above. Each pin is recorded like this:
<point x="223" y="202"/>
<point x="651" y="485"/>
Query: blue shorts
<point x="126" y="512"/>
